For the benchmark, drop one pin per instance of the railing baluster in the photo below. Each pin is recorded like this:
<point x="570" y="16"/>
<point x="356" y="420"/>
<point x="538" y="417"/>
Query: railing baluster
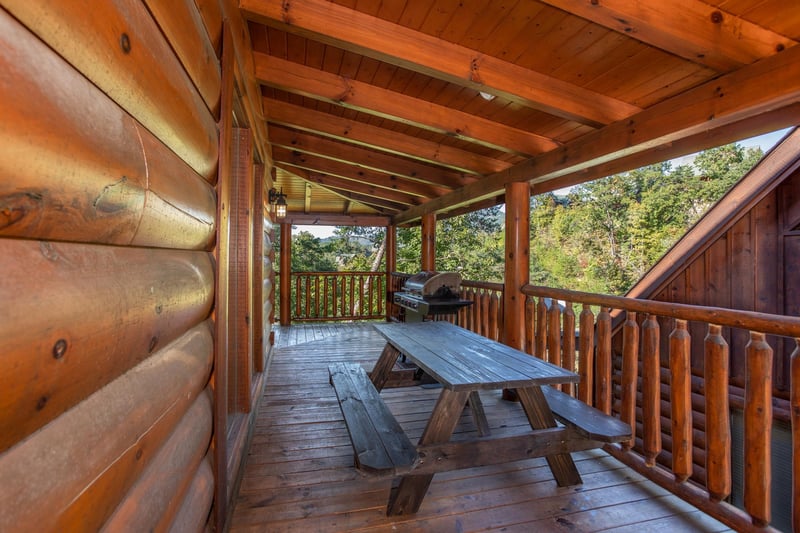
<point x="758" y="428"/>
<point x="718" y="430"/>
<point x="541" y="330"/>
<point x="494" y="305"/>
<point x="530" y="321"/>
<point x="586" y="355"/>
<point x="630" y="371"/>
<point x="603" y="374"/>
<point x="795" y="402"/>
<point x="681" y="396"/>
<point x="651" y="389"/>
<point x="554" y="334"/>
<point x="568" y="346"/>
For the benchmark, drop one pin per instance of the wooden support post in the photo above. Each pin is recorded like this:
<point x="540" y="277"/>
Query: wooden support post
<point x="603" y="373"/>
<point x="428" y="252"/>
<point x="586" y="355"/>
<point x="286" y="274"/>
<point x="568" y="346"/>
<point x="540" y="343"/>
<point x="221" y="318"/>
<point x="517" y="264"/>
<point x="391" y="266"/>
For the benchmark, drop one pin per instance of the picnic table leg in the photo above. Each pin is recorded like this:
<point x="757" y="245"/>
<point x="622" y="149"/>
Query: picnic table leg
<point x="540" y="416"/>
<point x="383" y="367"/>
<point x="407" y="496"/>
<point x="478" y="414"/>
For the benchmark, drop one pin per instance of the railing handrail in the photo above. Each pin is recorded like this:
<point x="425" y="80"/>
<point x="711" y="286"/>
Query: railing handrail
<point x="787" y="326"/>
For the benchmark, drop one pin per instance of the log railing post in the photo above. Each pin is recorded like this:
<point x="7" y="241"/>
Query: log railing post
<point x="718" y="431"/>
<point x="795" y="402"/>
<point x="651" y="390"/>
<point x="758" y="429"/>
<point x="630" y="367"/>
<point x="603" y="374"/>
<point x="586" y="355"/>
<point x="530" y="321"/>
<point x="568" y="346"/>
<point x="681" y="396"/>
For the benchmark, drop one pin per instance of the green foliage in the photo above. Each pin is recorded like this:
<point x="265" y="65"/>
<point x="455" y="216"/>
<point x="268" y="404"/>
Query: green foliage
<point x="310" y="254"/>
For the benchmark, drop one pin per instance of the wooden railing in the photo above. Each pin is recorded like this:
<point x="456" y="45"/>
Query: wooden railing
<point x="683" y="438"/>
<point x="326" y="296"/>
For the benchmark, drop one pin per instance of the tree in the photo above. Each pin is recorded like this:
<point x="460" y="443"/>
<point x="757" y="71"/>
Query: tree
<point x="310" y="254"/>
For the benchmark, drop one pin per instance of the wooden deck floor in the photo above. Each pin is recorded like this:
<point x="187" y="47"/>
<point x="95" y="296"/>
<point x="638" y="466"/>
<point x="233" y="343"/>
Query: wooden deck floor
<point x="299" y="474"/>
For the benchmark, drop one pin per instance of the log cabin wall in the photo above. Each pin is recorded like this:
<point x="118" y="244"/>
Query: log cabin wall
<point x="110" y="253"/>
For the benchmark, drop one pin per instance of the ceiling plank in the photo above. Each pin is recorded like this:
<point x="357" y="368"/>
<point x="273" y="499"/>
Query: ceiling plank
<point x="690" y="29"/>
<point x="768" y="85"/>
<point x="348" y="153"/>
<point x="411" y="191"/>
<point x="343" y="129"/>
<point x="414" y="50"/>
<point x="335" y="89"/>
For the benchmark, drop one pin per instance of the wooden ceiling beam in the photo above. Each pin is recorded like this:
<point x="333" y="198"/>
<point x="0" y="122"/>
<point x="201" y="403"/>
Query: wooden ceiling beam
<point x="355" y="173"/>
<point x="690" y="29"/>
<point x="361" y="33"/>
<point x="338" y="90"/>
<point x="347" y="191"/>
<point x="369" y="159"/>
<point x="362" y="185"/>
<point x="768" y="85"/>
<point x="362" y="134"/>
<point x="333" y="219"/>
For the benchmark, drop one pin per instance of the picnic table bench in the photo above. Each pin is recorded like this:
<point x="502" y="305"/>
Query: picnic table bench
<point x="464" y="364"/>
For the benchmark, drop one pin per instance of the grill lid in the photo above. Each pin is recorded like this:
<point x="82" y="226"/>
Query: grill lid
<point x="429" y="283"/>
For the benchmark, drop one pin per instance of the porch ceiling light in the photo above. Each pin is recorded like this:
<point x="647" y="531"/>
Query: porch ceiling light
<point x="278" y="200"/>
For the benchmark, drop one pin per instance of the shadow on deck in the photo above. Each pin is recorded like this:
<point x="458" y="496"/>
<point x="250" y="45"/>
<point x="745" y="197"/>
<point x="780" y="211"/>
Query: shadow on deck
<point x="300" y="477"/>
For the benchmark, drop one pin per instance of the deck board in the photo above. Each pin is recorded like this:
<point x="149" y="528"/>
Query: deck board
<point x="299" y="474"/>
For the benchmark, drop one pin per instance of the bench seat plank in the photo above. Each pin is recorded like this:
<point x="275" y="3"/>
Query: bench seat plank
<point x="379" y="443"/>
<point x="593" y="423"/>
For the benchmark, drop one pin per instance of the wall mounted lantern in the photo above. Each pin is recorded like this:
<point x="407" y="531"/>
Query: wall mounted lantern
<point x="278" y="199"/>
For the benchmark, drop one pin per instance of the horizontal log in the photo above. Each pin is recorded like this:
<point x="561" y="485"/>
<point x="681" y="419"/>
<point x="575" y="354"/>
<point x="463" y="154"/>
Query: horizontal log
<point x="112" y="183"/>
<point x="193" y="513"/>
<point x="155" y="498"/>
<point x="118" y="46"/>
<point x="211" y="13"/>
<point x="182" y="25"/>
<point x="82" y="315"/>
<point x="78" y="467"/>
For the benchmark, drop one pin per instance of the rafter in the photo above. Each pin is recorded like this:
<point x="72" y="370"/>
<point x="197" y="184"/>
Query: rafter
<point x="347" y="191"/>
<point x="768" y="85"/>
<point x="335" y="89"/>
<point x="348" y="153"/>
<point x="377" y="38"/>
<point x="690" y="29"/>
<point x="342" y="129"/>
<point x="372" y="181"/>
<point x="331" y="219"/>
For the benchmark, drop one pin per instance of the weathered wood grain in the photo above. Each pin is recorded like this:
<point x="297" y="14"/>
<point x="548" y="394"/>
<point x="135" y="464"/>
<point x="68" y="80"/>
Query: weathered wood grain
<point x="77" y="167"/>
<point x="117" y="45"/>
<point x="153" y="501"/>
<point x="196" y="505"/>
<point x="184" y="29"/>
<point x="79" y="466"/>
<point x="83" y="315"/>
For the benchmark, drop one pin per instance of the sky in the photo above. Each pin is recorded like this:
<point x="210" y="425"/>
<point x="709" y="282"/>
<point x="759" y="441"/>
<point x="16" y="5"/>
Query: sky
<point x="765" y="141"/>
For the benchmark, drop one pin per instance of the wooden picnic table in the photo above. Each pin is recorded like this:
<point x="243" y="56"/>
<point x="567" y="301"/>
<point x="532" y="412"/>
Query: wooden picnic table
<point x="465" y="363"/>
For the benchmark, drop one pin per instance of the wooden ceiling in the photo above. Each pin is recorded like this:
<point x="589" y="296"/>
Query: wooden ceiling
<point x="397" y="108"/>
